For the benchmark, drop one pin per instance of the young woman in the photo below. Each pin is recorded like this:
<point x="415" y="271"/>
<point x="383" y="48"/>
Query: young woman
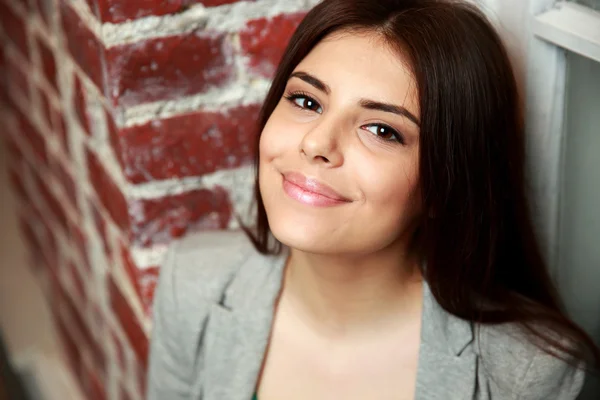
<point x="393" y="255"/>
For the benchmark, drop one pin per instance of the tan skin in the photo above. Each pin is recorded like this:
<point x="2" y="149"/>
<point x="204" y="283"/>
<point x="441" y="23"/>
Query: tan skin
<point x="347" y="323"/>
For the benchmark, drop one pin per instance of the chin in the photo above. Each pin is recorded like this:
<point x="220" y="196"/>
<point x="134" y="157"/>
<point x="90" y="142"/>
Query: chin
<point x="294" y="234"/>
<point x="304" y="234"/>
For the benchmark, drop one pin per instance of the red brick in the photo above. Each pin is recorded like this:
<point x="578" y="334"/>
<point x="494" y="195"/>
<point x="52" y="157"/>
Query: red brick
<point x="116" y="11"/>
<point x="14" y="151"/>
<point x="101" y="227"/>
<point x="28" y="234"/>
<point x="264" y="41"/>
<point x="83" y="45"/>
<point x="66" y="180"/>
<point x="93" y="4"/>
<point x="15" y="28"/>
<point x="98" y="316"/>
<point x="147" y="282"/>
<point x="80" y="324"/>
<point x="5" y="101"/>
<point x="215" y="3"/>
<point x="119" y="350"/>
<point x="4" y="98"/>
<point x="26" y="4"/>
<point x="93" y="384"/>
<point x="72" y="350"/>
<point x="78" y="283"/>
<point x="45" y="8"/>
<point x="44" y="248"/>
<point x="34" y="246"/>
<point x="50" y="248"/>
<point x="17" y="185"/>
<point x="80" y="104"/>
<point x="149" y="221"/>
<point x="195" y="144"/>
<point x="142" y="375"/>
<point x="54" y="290"/>
<point x="80" y="241"/>
<point x="53" y="204"/>
<point x="48" y="62"/>
<point x="167" y="67"/>
<point x="159" y="220"/>
<point x="113" y="130"/>
<point x="46" y="109"/>
<point x="2" y="57"/>
<point x="129" y="322"/>
<point x="40" y="237"/>
<point x="50" y="255"/>
<point x="60" y="127"/>
<point x="35" y="139"/>
<point x="124" y="394"/>
<point x="51" y="272"/>
<point x="143" y="280"/>
<point x="108" y="192"/>
<point x="17" y="74"/>
<point x="49" y="290"/>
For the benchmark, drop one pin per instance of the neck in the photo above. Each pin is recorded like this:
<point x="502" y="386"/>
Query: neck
<point x="349" y="293"/>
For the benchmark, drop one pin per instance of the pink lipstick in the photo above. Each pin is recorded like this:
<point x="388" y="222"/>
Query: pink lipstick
<point x="310" y="191"/>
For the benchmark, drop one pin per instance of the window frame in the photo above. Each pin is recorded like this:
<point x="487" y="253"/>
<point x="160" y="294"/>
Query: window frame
<point x="553" y="29"/>
<point x="572" y="26"/>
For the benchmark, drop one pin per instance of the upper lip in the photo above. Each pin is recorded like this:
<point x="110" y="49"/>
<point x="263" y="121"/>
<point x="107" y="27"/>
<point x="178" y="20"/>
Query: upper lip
<point x="313" y="185"/>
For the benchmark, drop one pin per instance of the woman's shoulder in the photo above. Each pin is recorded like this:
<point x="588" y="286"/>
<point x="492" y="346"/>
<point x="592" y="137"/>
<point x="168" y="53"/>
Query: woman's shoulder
<point x="514" y="361"/>
<point x="203" y="264"/>
<point x="194" y="277"/>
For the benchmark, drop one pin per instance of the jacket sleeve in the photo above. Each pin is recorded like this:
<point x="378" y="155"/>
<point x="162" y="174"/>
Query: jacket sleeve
<point x="168" y="371"/>
<point x="549" y="378"/>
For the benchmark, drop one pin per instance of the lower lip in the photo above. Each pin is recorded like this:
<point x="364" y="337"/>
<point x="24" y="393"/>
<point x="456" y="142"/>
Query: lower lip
<point x="309" y="198"/>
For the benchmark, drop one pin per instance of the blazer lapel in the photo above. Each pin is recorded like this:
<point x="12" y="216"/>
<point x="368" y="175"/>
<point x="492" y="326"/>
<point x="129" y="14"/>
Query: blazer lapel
<point x="447" y="363"/>
<point x="235" y="345"/>
<point x="445" y="377"/>
<point x="238" y="330"/>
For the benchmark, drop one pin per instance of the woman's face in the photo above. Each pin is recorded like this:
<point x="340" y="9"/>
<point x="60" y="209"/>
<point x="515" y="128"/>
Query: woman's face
<point x="339" y="158"/>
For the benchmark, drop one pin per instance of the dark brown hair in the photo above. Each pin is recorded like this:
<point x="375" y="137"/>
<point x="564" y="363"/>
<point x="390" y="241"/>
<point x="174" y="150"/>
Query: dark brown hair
<point x="476" y="236"/>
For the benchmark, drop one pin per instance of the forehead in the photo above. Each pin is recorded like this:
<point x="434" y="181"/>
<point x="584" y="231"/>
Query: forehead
<point x="362" y="65"/>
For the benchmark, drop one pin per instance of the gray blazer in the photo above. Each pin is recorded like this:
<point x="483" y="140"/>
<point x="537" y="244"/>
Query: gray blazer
<point x="212" y="317"/>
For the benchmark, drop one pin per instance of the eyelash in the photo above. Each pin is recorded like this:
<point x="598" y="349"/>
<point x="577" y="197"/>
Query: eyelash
<point x="291" y="97"/>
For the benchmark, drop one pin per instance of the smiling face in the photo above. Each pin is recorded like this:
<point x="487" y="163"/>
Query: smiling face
<point x="338" y="169"/>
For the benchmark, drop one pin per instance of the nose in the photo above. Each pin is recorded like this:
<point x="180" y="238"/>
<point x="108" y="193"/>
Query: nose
<point x="321" y="145"/>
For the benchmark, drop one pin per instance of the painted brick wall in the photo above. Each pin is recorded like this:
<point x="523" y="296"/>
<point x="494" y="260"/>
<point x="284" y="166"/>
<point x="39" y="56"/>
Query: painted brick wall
<point x="129" y="123"/>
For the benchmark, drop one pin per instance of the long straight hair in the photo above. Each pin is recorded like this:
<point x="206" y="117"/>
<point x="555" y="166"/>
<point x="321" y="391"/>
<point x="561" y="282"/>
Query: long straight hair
<point x="476" y="236"/>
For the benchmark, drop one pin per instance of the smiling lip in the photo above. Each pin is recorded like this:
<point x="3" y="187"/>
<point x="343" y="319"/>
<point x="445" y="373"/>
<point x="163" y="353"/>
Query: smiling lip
<point x="310" y="191"/>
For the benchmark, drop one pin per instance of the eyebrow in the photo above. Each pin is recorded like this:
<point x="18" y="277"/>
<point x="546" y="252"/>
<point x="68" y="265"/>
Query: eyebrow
<point x="365" y="103"/>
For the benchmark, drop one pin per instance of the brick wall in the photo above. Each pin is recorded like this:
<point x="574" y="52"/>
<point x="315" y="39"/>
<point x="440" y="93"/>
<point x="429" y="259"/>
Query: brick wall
<point x="128" y="123"/>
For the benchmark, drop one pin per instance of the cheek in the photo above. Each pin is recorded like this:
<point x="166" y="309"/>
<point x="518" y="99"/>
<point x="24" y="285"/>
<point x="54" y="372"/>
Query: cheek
<point x="274" y="144"/>
<point x="265" y="144"/>
<point x="391" y="189"/>
<point x="275" y="139"/>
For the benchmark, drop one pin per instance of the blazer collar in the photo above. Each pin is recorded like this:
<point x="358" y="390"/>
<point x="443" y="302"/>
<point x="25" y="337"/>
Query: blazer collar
<point x="447" y="367"/>
<point x="442" y="330"/>
<point x="238" y="330"/>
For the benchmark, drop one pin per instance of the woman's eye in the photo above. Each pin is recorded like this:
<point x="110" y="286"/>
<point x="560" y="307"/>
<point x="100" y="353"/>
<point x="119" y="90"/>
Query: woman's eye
<point x="305" y="102"/>
<point x="384" y="132"/>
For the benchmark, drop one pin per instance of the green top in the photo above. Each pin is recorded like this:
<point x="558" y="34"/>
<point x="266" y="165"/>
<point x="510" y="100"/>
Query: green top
<point x="255" y="397"/>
